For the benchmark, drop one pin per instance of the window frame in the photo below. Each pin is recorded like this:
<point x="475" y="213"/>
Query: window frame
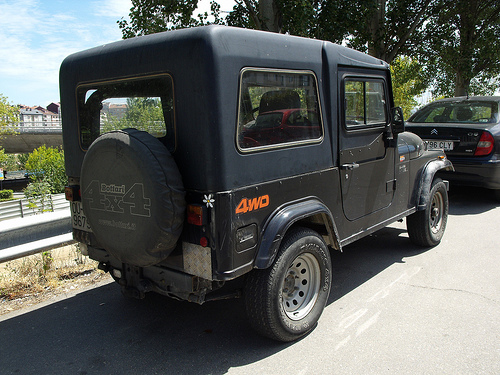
<point x="169" y="141"/>
<point x="364" y="78"/>
<point x="284" y="144"/>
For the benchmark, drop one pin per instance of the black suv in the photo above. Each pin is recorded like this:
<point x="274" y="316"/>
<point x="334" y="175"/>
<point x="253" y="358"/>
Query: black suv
<point x="214" y="162"/>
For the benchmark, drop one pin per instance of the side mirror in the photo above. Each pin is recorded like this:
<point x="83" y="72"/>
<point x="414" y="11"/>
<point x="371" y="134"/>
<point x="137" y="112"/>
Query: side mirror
<point x="397" y="120"/>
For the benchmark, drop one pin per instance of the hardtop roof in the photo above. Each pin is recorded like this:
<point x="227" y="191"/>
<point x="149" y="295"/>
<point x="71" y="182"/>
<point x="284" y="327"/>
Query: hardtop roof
<point x="220" y="40"/>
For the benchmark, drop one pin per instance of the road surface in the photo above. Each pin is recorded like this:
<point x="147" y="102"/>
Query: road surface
<point x="394" y="309"/>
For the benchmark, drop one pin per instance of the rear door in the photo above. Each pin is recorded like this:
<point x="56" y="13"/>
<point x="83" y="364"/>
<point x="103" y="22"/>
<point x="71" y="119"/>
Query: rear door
<point x="366" y="157"/>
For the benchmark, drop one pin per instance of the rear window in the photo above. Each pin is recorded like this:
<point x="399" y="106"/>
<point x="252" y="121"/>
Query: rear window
<point x="455" y="112"/>
<point x="145" y="104"/>
<point x="277" y="109"/>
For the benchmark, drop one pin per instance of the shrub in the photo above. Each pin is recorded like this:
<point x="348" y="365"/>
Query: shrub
<point x="6" y="195"/>
<point x="47" y="165"/>
<point x="38" y="196"/>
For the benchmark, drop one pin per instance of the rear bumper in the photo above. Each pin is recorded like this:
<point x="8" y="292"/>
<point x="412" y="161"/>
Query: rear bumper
<point x="482" y="173"/>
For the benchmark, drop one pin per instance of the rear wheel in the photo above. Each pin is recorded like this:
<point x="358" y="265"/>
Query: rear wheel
<point x="426" y="228"/>
<point x="285" y="301"/>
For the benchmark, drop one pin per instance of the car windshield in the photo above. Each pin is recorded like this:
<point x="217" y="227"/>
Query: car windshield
<point x="458" y="112"/>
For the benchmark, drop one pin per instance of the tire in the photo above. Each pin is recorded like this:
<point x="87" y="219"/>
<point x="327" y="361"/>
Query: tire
<point x="496" y="194"/>
<point x="426" y="228"/>
<point x="133" y="196"/>
<point x="285" y="301"/>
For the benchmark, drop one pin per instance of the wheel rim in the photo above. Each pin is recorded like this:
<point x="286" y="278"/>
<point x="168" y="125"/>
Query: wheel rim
<point x="436" y="212"/>
<point x="301" y="286"/>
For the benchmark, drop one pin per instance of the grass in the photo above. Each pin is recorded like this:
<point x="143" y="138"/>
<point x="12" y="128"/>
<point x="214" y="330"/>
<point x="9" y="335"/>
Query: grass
<point x="42" y="273"/>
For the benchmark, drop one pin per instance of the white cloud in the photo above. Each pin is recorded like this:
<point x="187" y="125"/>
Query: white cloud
<point x="36" y="36"/>
<point x="112" y="8"/>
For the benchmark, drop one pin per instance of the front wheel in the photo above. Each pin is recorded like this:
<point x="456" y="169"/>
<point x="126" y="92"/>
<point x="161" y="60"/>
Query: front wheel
<point x="285" y="301"/>
<point x="426" y="228"/>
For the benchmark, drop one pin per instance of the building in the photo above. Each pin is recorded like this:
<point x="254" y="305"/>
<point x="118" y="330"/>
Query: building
<point x="39" y="116"/>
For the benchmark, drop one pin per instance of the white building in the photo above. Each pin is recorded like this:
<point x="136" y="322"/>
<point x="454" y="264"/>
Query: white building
<point x="39" y="116"/>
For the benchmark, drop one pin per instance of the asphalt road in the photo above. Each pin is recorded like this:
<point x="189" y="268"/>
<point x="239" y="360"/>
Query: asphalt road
<point x="394" y="309"/>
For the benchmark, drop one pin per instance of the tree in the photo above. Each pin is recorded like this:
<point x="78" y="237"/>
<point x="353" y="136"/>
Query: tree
<point x="10" y="162"/>
<point x="408" y="81"/>
<point x="142" y="113"/>
<point x="386" y="28"/>
<point x="383" y="28"/>
<point x="153" y="16"/>
<point x="46" y="165"/>
<point x="460" y="37"/>
<point x="8" y="115"/>
<point x="462" y="44"/>
<point x="8" y="119"/>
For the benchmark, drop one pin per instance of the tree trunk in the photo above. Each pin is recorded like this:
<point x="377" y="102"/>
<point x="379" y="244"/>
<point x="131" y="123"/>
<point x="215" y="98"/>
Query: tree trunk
<point x="270" y="16"/>
<point x="376" y="27"/>
<point x="461" y="85"/>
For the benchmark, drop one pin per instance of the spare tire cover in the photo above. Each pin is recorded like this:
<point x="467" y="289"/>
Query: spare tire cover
<point x="133" y="196"/>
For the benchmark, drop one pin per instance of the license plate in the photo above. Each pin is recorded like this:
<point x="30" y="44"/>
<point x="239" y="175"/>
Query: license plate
<point x="78" y="218"/>
<point x="439" y="145"/>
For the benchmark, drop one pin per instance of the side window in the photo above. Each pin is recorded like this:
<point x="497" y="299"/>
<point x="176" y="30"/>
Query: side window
<point x="364" y="102"/>
<point x="145" y="104"/>
<point x="277" y="108"/>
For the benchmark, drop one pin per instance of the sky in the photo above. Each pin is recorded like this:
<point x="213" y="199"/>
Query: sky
<point x="36" y="36"/>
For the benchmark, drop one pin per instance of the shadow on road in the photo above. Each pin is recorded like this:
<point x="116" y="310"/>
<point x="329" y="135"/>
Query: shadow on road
<point x="471" y="200"/>
<point x="367" y="257"/>
<point x="99" y="331"/>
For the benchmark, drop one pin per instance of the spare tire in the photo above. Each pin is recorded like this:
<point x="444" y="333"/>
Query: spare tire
<point x="133" y="196"/>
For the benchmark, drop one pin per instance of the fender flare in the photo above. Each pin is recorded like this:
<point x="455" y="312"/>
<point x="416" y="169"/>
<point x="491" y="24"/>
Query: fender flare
<point x="282" y="219"/>
<point x="427" y="177"/>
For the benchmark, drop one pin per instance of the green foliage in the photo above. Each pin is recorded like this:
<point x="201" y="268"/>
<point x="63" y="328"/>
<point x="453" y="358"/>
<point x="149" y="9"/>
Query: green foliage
<point x="142" y="113"/>
<point x="309" y="18"/>
<point x="12" y="162"/>
<point x="21" y="160"/>
<point x="461" y="47"/>
<point x="154" y="16"/>
<point x="38" y="196"/>
<point x="456" y="41"/>
<point x="46" y="165"/>
<point x="8" y="115"/>
<point x="6" y="195"/>
<point x="3" y="158"/>
<point x="47" y="261"/>
<point x="408" y="81"/>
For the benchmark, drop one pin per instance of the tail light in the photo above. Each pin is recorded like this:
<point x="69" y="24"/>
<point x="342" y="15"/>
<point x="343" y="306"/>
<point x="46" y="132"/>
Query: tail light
<point x="72" y="193"/>
<point x="485" y="144"/>
<point x="195" y="214"/>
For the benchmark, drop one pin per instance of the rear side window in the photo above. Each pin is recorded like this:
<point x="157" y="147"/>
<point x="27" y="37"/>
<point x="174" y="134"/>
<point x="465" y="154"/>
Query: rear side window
<point x="277" y="109"/>
<point x="144" y="104"/>
<point x="364" y="102"/>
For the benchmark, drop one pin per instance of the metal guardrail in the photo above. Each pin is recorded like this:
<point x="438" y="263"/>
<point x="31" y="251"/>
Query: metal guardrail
<point x="20" y="208"/>
<point x="24" y="231"/>
<point x="30" y="235"/>
<point x="36" y="127"/>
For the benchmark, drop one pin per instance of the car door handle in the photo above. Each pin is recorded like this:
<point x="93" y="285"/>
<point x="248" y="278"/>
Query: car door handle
<point x="350" y="166"/>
